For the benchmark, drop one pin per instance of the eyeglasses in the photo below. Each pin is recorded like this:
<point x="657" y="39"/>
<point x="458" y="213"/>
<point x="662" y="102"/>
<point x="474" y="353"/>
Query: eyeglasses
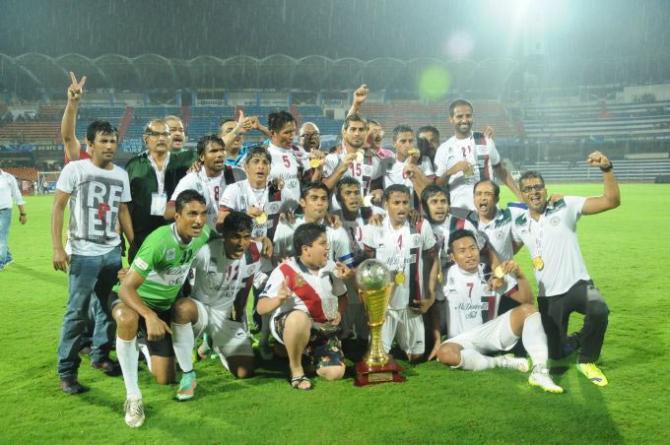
<point x="157" y="133"/>
<point x="532" y="188"/>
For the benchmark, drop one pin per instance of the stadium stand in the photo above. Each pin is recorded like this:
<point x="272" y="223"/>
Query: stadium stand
<point x="626" y="170"/>
<point x="620" y="121"/>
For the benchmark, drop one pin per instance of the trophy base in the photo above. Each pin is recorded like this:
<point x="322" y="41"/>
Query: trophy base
<point x="370" y="375"/>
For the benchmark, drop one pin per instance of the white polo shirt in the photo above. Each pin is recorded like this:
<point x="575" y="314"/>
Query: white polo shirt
<point x="554" y="238"/>
<point x="498" y="231"/>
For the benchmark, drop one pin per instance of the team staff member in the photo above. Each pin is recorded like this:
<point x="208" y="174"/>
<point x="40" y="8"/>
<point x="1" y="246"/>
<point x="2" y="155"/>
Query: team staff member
<point x="154" y="175"/>
<point x="9" y="193"/>
<point x="549" y="230"/>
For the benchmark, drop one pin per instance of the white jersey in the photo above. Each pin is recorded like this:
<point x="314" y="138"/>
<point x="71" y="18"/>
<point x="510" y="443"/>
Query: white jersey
<point x="365" y="172"/>
<point x="95" y="197"/>
<point x="314" y="293"/>
<point x="554" y="239"/>
<point x="442" y="231"/>
<point x="241" y="196"/>
<point x="401" y="252"/>
<point x="286" y="166"/>
<point x="470" y="302"/>
<point x="211" y="187"/>
<point x="499" y="232"/>
<point x="480" y="152"/>
<point x="338" y="242"/>
<point x="219" y="280"/>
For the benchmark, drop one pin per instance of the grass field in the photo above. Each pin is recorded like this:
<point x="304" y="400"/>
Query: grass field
<point x="627" y="252"/>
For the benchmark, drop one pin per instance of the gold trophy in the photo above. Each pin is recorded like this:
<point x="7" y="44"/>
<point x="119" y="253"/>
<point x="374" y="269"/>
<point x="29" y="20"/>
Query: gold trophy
<point x="375" y="288"/>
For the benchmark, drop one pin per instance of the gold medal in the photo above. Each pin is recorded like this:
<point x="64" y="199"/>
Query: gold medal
<point x="262" y="219"/>
<point x="440" y="277"/>
<point x="360" y="156"/>
<point x="538" y="263"/>
<point x="315" y="163"/>
<point x="413" y="152"/>
<point x="399" y="278"/>
<point x="469" y="171"/>
<point x="498" y="272"/>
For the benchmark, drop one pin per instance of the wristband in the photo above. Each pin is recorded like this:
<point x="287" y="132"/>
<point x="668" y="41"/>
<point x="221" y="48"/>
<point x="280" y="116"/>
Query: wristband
<point x="608" y="168"/>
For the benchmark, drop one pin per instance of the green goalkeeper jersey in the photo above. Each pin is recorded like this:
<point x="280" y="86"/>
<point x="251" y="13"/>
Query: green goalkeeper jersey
<point x="164" y="263"/>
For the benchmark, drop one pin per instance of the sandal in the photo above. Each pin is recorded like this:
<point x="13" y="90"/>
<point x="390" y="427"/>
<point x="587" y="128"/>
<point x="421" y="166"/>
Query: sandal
<point x="296" y="381"/>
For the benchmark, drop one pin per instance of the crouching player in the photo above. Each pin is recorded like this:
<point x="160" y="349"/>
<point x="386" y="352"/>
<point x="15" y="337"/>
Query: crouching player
<point x="474" y="330"/>
<point x="307" y="297"/>
<point x="225" y="270"/>
<point x="147" y="301"/>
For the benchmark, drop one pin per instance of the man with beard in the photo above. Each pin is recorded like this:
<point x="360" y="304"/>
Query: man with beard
<point x="211" y="180"/>
<point x="548" y="229"/>
<point x="355" y="161"/>
<point x="408" y="168"/>
<point x="467" y="157"/>
<point x="310" y="137"/>
<point x="375" y="135"/>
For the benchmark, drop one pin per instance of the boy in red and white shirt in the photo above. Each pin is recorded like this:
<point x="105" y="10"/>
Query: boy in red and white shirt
<point x="306" y="296"/>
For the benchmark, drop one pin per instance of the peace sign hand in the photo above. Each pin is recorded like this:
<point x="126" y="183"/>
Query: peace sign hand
<point x="76" y="88"/>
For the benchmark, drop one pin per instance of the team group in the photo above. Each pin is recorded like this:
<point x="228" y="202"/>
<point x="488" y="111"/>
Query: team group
<point x="286" y="225"/>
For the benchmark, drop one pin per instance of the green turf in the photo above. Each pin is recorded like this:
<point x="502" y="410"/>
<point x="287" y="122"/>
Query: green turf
<point x="627" y="253"/>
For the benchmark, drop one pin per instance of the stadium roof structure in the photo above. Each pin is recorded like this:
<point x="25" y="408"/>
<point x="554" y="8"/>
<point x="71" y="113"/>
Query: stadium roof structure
<point x="35" y="71"/>
<point x="33" y="74"/>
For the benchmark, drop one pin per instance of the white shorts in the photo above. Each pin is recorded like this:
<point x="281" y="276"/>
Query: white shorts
<point x="229" y="338"/>
<point x="405" y="326"/>
<point x="493" y="336"/>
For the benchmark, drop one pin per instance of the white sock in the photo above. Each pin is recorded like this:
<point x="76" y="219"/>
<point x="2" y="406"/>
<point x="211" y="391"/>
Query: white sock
<point x="126" y="352"/>
<point x="472" y="360"/>
<point x="535" y="340"/>
<point x="183" y="343"/>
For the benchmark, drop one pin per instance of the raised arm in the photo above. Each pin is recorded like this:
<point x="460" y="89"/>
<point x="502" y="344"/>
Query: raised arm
<point x="611" y="197"/>
<point x="504" y="175"/>
<point x="69" y="121"/>
<point x="360" y="96"/>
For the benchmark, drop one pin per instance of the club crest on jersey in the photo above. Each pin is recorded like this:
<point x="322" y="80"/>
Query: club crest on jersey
<point x="555" y="221"/>
<point x="299" y="280"/>
<point x="415" y="241"/>
<point x="272" y="208"/>
<point x="170" y="254"/>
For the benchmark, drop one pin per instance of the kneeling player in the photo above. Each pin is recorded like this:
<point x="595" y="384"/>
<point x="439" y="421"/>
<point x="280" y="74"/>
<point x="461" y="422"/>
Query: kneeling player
<point x="225" y="270"/>
<point x="473" y="328"/>
<point x="307" y="297"/>
<point x="148" y="293"/>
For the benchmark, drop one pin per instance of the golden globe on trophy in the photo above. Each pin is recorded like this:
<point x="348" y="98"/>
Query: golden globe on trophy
<point x="375" y="288"/>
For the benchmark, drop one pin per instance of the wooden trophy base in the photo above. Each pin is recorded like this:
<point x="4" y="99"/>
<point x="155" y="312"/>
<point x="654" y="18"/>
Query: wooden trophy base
<point x="370" y="375"/>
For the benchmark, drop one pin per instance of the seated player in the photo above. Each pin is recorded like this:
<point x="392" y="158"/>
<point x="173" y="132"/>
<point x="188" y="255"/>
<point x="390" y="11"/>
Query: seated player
<point x="408" y="251"/>
<point x="474" y="329"/>
<point x="307" y="297"/>
<point x="225" y="270"/>
<point x="147" y="302"/>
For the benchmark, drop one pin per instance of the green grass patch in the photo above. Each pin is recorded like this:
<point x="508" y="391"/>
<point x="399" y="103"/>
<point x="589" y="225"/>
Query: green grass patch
<point x="627" y="253"/>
